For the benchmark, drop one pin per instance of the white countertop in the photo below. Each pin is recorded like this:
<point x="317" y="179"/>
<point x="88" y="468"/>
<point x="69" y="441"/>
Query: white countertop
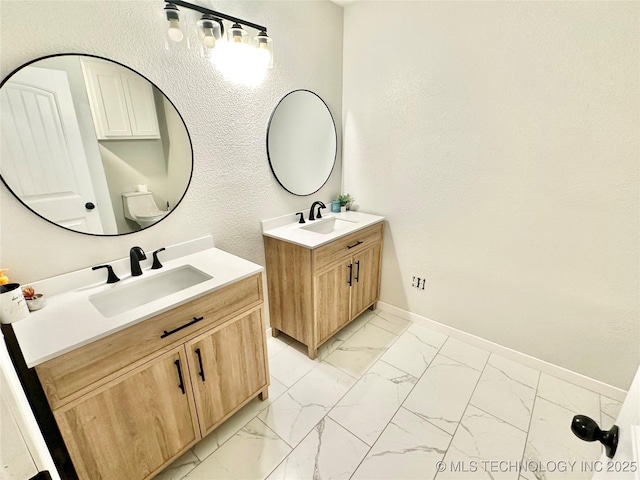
<point x="69" y="320"/>
<point x="288" y="229"/>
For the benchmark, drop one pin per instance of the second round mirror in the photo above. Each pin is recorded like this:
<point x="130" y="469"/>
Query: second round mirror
<point x="302" y="142"/>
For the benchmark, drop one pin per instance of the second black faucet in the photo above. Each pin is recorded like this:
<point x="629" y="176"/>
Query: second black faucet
<point x="135" y="255"/>
<point x="317" y="216"/>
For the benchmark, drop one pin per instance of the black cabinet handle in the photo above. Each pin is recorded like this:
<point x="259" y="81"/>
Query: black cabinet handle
<point x="89" y="206"/>
<point x="350" y="273"/>
<point x="358" y="271"/>
<point x="181" y="384"/>
<point x="359" y="242"/>
<point x="195" y="320"/>
<point x="199" y="354"/>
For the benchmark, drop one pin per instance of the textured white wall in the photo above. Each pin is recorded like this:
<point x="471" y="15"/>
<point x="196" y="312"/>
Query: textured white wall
<point x="501" y="140"/>
<point x="232" y="188"/>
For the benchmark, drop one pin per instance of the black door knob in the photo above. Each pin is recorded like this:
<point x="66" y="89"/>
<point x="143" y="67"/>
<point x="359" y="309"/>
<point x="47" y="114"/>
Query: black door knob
<point x="587" y="429"/>
<point x="89" y="206"/>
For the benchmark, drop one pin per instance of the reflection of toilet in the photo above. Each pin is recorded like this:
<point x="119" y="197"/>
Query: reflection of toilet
<point x="140" y="207"/>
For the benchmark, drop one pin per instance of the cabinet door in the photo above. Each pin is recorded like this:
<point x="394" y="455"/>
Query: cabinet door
<point x="133" y="426"/>
<point x="227" y="366"/>
<point x="141" y="105"/>
<point x="122" y="103"/>
<point x="366" y="274"/>
<point x="107" y="99"/>
<point x="332" y="297"/>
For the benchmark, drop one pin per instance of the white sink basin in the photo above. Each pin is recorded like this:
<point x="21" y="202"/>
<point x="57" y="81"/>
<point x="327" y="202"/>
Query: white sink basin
<point x="316" y="233"/>
<point x="328" y="225"/>
<point x="135" y="294"/>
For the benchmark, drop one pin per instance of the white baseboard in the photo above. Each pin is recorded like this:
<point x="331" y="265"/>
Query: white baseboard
<point x="533" y="362"/>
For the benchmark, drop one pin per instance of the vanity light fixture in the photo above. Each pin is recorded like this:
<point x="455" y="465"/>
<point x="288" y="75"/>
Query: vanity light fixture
<point x="211" y="29"/>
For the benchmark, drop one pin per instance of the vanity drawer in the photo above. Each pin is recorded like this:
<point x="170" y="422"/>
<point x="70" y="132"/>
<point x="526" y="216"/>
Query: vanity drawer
<point x="68" y="376"/>
<point x="344" y="247"/>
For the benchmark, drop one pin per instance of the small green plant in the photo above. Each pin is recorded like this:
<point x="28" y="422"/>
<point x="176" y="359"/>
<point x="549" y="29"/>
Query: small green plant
<point x="345" y="199"/>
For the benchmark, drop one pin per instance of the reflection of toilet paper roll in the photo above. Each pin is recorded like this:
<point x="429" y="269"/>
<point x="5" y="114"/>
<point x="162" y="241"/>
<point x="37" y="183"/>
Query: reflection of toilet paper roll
<point x="143" y="188"/>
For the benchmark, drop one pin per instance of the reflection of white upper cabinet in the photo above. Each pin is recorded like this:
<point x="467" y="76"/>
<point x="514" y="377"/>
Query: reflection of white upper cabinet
<point x="121" y="101"/>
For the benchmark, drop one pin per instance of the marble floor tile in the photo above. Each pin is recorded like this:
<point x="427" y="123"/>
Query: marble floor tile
<point x="483" y="447"/>
<point x="180" y="467"/>
<point x="232" y="425"/>
<point x="253" y="453"/>
<point x="551" y="444"/>
<point x="358" y="353"/>
<point x="328" y="452"/>
<point x="443" y="392"/>
<point x="504" y="397"/>
<point x="570" y="396"/>
<point x="427" y="335"/>
<point x="409" y="448"/>
<point x="343" y="334"/>
<point x="462" y="352"/>
<point x="290" y="365"/>
<point x="367" y="408"/>
<point x="609" y="409"/>
<point x="333" y="343"/>
<point x="389" y="399"/>
<point x="412" y="352"/>
<point x="515" y="371"/>
<point x="360" y="321"/>
<point x="277" y="344"/>
<point x="390" y="322"/>
<point x="296" y="412"/>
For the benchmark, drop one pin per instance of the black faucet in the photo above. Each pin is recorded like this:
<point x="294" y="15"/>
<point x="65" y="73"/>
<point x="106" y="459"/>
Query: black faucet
<point x="135" y="255"/>
<point x="156" y="262"/>
<point x="112" y="277"/>
<point x="313" y="207"/>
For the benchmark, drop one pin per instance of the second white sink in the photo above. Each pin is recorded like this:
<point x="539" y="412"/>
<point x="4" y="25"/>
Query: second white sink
<point x="328" y="225"/>
<point x="126" y="297"/>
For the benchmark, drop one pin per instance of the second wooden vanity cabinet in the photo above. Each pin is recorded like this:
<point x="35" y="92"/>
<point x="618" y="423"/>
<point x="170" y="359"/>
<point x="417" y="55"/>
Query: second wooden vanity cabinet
<point x="313" y="293"/>
<point x="130" y="403"/>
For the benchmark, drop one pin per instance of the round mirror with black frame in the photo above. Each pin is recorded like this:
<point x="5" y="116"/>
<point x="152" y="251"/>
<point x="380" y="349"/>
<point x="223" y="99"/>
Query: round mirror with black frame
<point x="302" y="142"/>
<point x="92" y="146"/>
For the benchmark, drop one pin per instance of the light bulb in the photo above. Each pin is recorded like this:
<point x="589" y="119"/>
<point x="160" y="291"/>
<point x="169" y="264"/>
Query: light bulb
<point x="264" y="50"/>
<point x="175" y="33"/>
<point x="209" y="39"/>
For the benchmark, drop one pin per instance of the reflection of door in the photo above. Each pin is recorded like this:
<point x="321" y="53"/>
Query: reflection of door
<point x="43" y="157"/>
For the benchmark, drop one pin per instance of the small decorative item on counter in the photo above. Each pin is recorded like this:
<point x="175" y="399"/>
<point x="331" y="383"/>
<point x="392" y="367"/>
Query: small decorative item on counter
<point x="13" y="306"/>
<point x="345" y="201"/>
<point x="335" y="206"/>
<point x="3" y="278"/>
<point x="35" y="301"/>
<point x="28" y="292"/>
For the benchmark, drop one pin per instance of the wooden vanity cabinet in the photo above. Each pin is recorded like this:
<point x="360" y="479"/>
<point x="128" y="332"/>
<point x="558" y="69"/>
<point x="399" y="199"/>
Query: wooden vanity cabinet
<point x="133" y="425"/>
<point x="132" y="421"/>
<point x="313" y="293"/>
